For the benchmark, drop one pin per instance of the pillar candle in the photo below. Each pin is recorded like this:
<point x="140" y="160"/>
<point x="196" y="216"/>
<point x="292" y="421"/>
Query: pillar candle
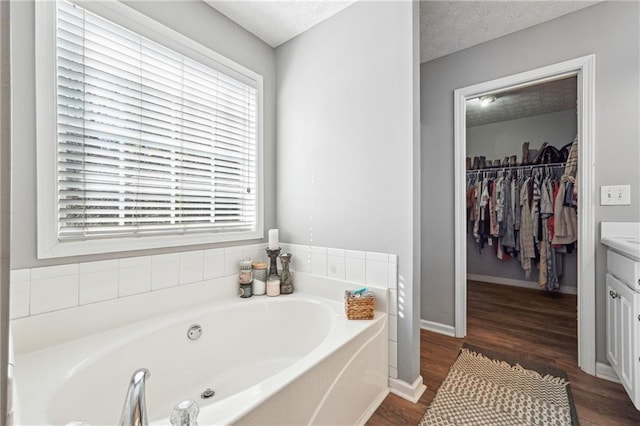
<point x="273" y="239"/>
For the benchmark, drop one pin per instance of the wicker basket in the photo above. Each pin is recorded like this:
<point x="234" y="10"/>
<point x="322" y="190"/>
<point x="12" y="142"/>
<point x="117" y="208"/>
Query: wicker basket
<point x="359" y="308"/>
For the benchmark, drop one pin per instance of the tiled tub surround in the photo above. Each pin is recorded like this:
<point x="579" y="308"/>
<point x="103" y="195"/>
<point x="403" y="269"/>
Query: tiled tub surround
<point x="37" y="291"/>
<point x="328" y="372"/>
<point x="366" y="268"/>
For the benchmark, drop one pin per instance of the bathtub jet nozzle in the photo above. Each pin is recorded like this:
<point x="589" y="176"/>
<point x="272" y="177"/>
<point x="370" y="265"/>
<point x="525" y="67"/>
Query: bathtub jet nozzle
<point x="134" y="410"/>
<point x="208" y="393"/>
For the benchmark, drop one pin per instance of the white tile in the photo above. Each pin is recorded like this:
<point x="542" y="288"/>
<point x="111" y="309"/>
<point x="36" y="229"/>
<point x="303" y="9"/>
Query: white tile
<point x="232" y="256"/>
<point x="301" y="262"/>
<point x="20" y="275"/>
<point x="393" y="372"/>
<point x="134" y="280"/>
<point x="20" y="295"/>
<point x="97" y="286"/>
<point x="336" y="267"/>
<point x="214" y="252"/>
<point x="251" y="248"/>
<point x="318" y="250"/>
<point x="231" y="259"/>
<point x="393" y="276"/>
<point x="102" y="265"/>
<point x="393" y="354"/>
<point x="319" y="263"/>
<point x="191" y="267"/>
<point x="165" y="274"/>
<point x="54" y="271"/>
<point x="300" y="248"/>
<point x="393" y="302"/>
<point x="213" y="267"/>
<point x="378" y="257"/>
<point x="377" y="273"/>
<point x="354" y="254"/>
<point x="131" y="262"/>
<point x="393" y="328"/>
<point x="165" y="258"/>
<point x="355" y="270"/>
<point x="335" y="252"/>
<point x="393" y="258"/>
<point x="255" y="255"/>
<point x="52" y="294"/>
<point x="236" y="250"/>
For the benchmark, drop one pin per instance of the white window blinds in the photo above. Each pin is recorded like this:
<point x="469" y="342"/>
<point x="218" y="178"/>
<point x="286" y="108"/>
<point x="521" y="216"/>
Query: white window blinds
<point x="150" y="142"/>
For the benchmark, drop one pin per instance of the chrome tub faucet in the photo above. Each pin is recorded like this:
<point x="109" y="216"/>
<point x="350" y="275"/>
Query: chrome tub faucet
<point x="134" y="410"/>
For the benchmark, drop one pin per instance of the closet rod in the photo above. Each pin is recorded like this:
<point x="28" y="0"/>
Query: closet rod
<point x="528" y="166"/>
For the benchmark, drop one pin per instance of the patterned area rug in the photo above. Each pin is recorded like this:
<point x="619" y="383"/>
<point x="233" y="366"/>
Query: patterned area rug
<point x="485" y="389"/>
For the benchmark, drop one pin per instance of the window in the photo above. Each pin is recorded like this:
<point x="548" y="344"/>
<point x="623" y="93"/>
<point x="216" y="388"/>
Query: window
<point x="153" y="147"/>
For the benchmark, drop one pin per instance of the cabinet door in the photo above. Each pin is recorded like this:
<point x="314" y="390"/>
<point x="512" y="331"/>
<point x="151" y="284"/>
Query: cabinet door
<point x="613" y="325"/>
<point x="627" y="358"/>
<point x="622" y="329"/>
<point x="636" y="357"/>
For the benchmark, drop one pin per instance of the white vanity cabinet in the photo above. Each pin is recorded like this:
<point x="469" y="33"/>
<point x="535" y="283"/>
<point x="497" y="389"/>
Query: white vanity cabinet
<point x="623" y="302"/>
<point x="623" y="335"/>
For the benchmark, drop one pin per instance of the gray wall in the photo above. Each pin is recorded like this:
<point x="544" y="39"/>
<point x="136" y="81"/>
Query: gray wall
<point x="5" y="199"/>
<point x="608" y="29"/>
<point x="486" y="263"/>
<point x="193" y="19"/>
<point x="346" y="143"/>
<point x="505" y="138"/>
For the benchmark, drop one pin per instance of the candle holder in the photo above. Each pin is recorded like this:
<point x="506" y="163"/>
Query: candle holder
<point x="286" y="280"/>
<point x="273" y="256"/>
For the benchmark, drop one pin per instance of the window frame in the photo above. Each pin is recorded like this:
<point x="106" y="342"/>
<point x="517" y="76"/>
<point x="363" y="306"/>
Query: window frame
<point x="49" y="246"/>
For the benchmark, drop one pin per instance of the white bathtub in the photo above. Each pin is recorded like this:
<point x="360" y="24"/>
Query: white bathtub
<point x="293" y="359"/>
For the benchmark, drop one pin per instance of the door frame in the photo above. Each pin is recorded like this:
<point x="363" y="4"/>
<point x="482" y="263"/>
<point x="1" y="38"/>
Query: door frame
<point x="584" y="68"/>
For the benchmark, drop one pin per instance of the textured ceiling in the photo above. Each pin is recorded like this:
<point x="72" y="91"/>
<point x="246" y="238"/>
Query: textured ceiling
<point x="276" y="22"/>
<point x="445" y="26"/>
<point x="558" y="95"/>
<point x="450" y="26"/>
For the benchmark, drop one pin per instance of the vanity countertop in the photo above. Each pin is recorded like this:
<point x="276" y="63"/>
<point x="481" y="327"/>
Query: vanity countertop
<point x="623" y="237"/>
<point x="629" y="247"/>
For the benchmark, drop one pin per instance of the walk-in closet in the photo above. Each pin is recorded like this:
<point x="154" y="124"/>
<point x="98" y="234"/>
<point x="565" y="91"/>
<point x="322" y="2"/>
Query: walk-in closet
<point x="521" y="199"/>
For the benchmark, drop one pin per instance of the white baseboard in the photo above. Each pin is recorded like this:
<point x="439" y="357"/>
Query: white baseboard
<point x="439" y="328"/>
<point x="605" y="371"/>
<point x="409" y="391"/>
<point x="518" y="283"/>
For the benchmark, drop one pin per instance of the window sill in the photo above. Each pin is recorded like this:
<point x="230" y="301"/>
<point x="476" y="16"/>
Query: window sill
<point x="56" y="249"/>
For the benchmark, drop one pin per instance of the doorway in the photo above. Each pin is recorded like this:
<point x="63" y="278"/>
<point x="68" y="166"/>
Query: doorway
<point x="583" y="69"/>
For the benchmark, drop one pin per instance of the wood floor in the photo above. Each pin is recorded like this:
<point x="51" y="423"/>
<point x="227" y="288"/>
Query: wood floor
<point x="530" y="324"/>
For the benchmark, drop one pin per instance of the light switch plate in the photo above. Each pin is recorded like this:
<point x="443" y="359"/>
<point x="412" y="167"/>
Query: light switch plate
<point x="615" y="195"/>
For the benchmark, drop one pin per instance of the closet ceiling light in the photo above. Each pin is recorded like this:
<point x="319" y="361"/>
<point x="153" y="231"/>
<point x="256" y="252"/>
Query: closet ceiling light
<point x="486" y="100"/>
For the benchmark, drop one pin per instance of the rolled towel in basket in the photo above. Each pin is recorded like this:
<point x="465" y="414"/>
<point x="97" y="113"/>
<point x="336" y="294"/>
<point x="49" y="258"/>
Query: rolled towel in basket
<point x="359" y="304"/>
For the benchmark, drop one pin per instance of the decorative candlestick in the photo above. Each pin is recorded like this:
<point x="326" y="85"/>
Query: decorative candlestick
<point x="273" y="256"/>
<point x="273" y="279"/>
<point x="286" y="280"/>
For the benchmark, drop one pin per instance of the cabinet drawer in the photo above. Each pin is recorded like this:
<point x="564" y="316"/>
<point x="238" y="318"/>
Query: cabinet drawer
<point x="625" y="269"/>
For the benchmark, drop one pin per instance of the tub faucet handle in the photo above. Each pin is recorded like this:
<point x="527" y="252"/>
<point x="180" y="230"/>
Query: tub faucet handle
<point x="185" y="414"/>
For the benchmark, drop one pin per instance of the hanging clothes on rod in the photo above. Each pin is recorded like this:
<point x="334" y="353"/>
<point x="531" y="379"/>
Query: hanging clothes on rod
<point x="566" y="203"/>
<point x="516" y="209"/>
